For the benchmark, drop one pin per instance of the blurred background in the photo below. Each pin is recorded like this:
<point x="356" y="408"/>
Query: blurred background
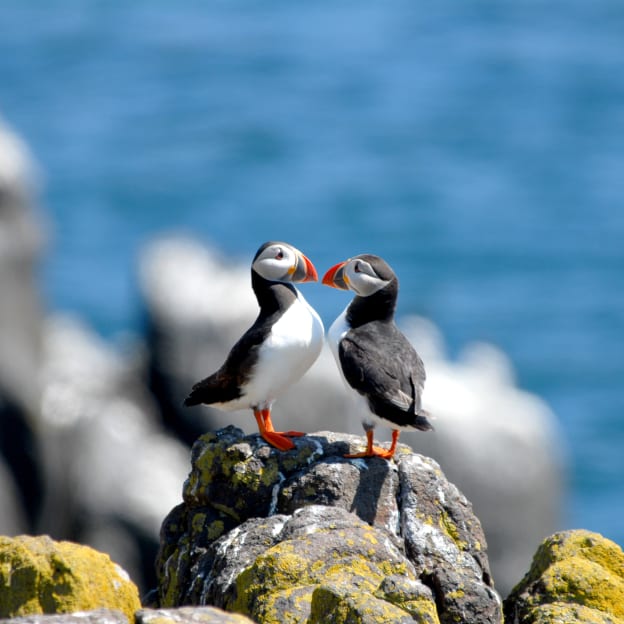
<point x="476" y="147"/>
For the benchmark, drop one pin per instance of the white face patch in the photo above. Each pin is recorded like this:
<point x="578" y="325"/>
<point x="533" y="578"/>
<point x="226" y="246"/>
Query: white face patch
<point x="362" y="279"/>
<point x="276" y="262"/>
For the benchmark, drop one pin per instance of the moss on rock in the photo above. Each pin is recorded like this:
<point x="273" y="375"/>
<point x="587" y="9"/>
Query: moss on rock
<point x="576" y="576"/>
<point x="40" y="575"/>
<point x="275" y="535"/>
<point x="330" y="563"/>
<point x="189" y="615"/>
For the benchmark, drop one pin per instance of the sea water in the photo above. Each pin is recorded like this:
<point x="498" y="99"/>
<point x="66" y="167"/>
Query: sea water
<point x="478" y="147"/>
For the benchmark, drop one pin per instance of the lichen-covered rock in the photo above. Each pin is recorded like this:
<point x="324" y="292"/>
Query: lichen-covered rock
<point x="190" y="615"/>
<point x="499" y="444"/>
<point x="310" y="536"/>
<point x="576" y="576"/>
<point x="98" y="616"/>
<point x="276" y="569"/>
<point x="40" y="575"/>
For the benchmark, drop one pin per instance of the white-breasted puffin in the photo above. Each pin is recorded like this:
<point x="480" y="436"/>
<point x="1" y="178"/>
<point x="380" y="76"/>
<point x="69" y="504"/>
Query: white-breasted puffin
<point x="375" y="359"/>
<point x="276" y="350"/>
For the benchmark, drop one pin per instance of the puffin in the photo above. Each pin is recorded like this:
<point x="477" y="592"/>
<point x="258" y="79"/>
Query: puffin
<point x="275" y="352"/>
<point x="376" y="361"/>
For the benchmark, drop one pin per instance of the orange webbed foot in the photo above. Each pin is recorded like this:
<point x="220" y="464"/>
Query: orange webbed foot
<point x="376" y="451"/>
<point x="278" y="440"/>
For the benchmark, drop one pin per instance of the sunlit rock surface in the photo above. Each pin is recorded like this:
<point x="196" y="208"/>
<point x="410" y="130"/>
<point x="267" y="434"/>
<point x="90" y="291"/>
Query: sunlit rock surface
<point x="190" y="615"/>
<point x="576" y="576"/>
<point x="40" y="575"/>
<point x="310" y="536"/>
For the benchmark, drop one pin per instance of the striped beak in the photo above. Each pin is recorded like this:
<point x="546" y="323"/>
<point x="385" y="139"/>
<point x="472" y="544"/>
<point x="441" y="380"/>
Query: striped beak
<point x="304" y="270"/>
<point x="336" y="277"/>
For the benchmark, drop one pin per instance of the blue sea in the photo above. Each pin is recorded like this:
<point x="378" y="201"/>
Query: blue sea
<point x="477" y="146"/>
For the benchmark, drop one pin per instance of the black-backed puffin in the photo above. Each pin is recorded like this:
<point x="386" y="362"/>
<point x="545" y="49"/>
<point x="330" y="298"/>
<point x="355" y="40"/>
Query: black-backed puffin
<point x="375" y="359"/>
<point x="276" y="350"/>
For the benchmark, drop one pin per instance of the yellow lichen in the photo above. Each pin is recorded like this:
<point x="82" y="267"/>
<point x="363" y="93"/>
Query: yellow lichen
<point x="573" y="570"/>
<point x="283" y="575"/>
<point x="39" y="575"/>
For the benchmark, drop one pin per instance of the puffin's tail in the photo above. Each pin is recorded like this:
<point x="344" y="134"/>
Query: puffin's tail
<point x="192" y="399"/>
<point x="421" y="422"/>
<point x="212" y="390"/>
<point x="199" y="394"/>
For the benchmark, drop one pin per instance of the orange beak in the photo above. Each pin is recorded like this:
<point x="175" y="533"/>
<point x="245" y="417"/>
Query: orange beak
<point x="304" y="270"/>
<point x="335" y="277"/>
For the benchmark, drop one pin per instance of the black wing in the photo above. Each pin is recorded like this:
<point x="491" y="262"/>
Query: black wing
<point x="228" y="382"/>
<point x="380" y="363"/>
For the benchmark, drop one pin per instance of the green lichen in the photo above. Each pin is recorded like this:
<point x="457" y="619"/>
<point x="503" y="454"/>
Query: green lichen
<point x="197" y="522"/>
<point x="215" y="530"/>
<point x="174" y="578"/>
<point x="39" y="575"/>
<point x="228" y="511"/>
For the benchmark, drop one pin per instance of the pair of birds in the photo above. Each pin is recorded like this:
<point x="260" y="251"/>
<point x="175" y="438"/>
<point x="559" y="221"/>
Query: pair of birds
<point x="376" y="360"/>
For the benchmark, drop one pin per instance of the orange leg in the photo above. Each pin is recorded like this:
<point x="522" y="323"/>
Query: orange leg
<point x="376" y="451"/>
<point x="274" y="438"/>
<point x="268" y="424"/>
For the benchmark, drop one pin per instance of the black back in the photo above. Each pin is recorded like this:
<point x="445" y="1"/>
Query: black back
<point x="380" y="363"/>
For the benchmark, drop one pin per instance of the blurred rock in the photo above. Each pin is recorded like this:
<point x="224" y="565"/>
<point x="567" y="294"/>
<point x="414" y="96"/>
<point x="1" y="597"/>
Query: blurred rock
<point x="39" y="575"/>
<point x="12" y="520"/>
<point x="112" y="473"/>
<point x="576" y="576"/>
<point x="499" y="444"/>
<point x="97" y="616"/>
<point x="21" y="239"/>
<point x="189" y="615"/>
<point x="390" y="541"/>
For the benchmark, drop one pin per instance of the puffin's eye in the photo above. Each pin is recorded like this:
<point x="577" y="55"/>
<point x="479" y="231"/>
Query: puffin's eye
<point x="280" y="254"/>
<point x="356" y="268"/>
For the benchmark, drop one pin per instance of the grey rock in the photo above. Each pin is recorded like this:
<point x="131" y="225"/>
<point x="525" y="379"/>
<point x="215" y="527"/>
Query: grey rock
<point x="500" y="445"/>
<point x="393" y="538"/>
<point x="98" y="616"/>
<point x="12" y="520"/>
<point x="112" y="471"/>
<point x="189" y="615"/>
<point x="21" y="239"/>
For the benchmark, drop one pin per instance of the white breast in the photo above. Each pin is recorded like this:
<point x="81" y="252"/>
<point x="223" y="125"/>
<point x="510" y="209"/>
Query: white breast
<point x="335" y="334"/>
<point x="288" y="352"/>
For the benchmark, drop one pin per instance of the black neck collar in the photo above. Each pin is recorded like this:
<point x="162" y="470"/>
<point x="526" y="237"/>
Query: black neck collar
<point x="377" y="307"/>
<point x="272" y="296"/>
